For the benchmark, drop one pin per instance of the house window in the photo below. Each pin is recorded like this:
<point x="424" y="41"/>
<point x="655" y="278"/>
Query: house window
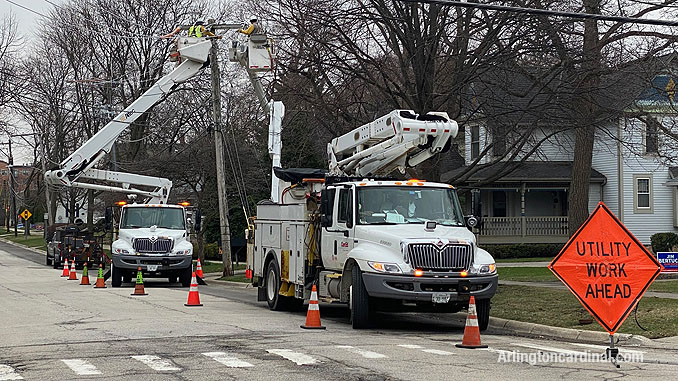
<point x="642" y="194"/>
<point x="651" y="136"/>
<point x="475" y="142"/>
<point x="3" y="172"/>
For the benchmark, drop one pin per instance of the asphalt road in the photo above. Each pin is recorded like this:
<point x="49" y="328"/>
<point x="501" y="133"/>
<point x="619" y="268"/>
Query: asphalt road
<point x="54" y="329"/>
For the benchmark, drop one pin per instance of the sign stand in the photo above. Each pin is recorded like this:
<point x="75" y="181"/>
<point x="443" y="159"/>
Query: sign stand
<point x="612" y="352"/>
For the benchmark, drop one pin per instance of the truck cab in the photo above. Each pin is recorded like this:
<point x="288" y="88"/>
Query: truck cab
<point x="373" y="244"/>
<point x="155" y="238"/>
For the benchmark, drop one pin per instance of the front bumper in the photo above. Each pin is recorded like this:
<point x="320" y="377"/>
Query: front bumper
<point x="163" y="262"/>
<point x="421" y="289"/>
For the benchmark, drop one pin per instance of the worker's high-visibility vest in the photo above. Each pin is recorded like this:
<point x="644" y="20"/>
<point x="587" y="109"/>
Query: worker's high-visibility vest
<point x="195" y="30"/>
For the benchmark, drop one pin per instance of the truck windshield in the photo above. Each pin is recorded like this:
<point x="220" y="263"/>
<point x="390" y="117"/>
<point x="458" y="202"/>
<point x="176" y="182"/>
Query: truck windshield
<point x="406" y="205"/>
<point x="168" y="218"/>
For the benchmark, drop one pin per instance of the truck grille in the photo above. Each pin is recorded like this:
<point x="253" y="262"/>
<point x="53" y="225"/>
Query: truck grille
<point x="427" y="256"/>
<point x="147" y="245"/>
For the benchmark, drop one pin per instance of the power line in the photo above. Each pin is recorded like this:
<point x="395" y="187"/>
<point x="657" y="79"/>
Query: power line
<point x="546" y="12"/>
<point x="26" y="8"/>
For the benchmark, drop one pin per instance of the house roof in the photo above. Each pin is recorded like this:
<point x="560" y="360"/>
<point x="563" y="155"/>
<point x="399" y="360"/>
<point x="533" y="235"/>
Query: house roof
<point x="528" y="171"/>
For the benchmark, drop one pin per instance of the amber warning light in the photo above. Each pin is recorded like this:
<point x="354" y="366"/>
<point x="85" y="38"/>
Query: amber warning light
<point x="121" y="203"/>
<point x="185" y="203"/>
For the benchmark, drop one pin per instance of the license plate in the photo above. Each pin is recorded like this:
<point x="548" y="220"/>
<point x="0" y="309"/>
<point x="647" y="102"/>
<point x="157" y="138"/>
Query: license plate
<point x="155" y="268"/>
<point x="440" y="297"/>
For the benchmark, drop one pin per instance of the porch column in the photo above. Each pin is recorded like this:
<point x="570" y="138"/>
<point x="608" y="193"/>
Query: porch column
<point x="523" y="222"/>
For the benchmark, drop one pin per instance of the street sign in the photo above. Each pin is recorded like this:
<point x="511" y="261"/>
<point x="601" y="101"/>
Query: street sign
<point x="668" y="260"/>
<point x="606" y="268"/>
<point x="26" y="214"/>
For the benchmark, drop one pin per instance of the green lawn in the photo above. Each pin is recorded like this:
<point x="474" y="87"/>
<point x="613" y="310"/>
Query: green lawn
<point x="526" y="274"/>
<point x="561" y="309"/>
<point x="217" y="267"/>
<point x="236" y="278"/>
<point x="664" y="286"/>
<point x="36" y="240"/>
<point x="535" y="259"/>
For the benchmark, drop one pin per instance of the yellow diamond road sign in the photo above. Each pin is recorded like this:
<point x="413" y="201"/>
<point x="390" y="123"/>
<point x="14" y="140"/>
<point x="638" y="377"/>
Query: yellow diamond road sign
<point x="26" y="214"/>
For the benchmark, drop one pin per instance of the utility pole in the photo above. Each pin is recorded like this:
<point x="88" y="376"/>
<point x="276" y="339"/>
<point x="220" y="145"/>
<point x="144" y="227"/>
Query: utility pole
<point x="11" y="185"/>
<point x="48" y="197"/>
<point x="219" y="146"/>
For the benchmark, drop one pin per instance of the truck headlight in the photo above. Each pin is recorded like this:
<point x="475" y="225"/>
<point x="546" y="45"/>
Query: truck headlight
<point x="484" y="269"/>
<point x="385" y="267"/>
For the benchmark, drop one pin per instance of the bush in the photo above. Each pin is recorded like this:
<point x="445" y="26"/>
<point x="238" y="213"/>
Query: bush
<point x="523" y="250"/>
<point x="212" y="252"/>
<point x="663" y="241"/>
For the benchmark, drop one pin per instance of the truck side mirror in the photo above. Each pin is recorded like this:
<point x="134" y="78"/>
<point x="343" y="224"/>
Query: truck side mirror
<point x="108" y="219"/>
<point x="198" y="220"/>
<point x="471" y="221"/>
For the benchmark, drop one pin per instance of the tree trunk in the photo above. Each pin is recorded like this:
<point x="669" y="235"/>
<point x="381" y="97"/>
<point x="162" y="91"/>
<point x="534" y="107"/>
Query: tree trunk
<point x="578" y="198"/>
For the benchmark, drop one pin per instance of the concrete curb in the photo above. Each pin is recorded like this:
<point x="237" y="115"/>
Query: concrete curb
<point x="22" y="246"/>
<point x="519" y="328"/>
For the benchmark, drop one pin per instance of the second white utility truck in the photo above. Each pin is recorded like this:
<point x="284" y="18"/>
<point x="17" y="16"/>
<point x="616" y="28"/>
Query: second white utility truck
<point x="371" y="242"/>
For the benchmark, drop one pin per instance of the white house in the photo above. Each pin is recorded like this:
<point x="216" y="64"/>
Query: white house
<point x="519" y="163"/>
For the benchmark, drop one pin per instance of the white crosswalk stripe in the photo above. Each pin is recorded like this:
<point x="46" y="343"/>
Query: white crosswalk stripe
<point x="296" y="357"/>
<point x="81" y="367"/>
<point x="228" y="360"/>
<point x="427" y="350"/>
<point x="362" y="352"/>
<point x="548" y="349"/>
<point x="156" y="363"/>
<point x="8" y="373"/>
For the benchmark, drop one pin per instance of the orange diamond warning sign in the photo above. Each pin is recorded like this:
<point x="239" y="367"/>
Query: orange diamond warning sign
<point x="606" y="268"/>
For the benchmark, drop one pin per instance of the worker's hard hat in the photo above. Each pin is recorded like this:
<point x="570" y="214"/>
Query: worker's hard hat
<point x="199" y="22"/>
<point x="253" y="18"/>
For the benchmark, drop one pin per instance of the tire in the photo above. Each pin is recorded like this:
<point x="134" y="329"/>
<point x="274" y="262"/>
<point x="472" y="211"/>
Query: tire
<point x="172" y="279"/>
<point x="56" y="263"/>
<point x="127" y="277"/>
<point x="276" y="302"/>
<point x="185" y="276"/>
<point x="116" y="277"/>
<point x="361" y="310"/>
<point x="483" y="310"/>
<point x="48" y="261"/>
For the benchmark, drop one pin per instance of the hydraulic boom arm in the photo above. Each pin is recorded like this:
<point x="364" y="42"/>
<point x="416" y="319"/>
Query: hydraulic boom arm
<point x="398" y="140"/>
<point x="193" y="53"/>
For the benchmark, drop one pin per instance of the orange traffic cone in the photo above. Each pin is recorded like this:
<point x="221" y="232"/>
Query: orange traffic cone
<point x="65" y="273"/>
<point x="85" y="278"/>
<point x="313" y="314"/>
<point x="73" y="275"/>
<point x="198" y="270"/>
<point x="101" y="282"/>
<point x="193" y="294"/>
<point x="139" y="287"/>
<point x="471" y="331"/>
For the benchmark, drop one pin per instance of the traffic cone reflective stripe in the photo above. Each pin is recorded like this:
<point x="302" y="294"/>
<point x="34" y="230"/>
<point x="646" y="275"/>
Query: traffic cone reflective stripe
<point x="73" y="275"/>
<point x="198" y="270"/>
<point x="471" y="331"/>
<point x="139" y="286"/>
<point x="313" y="314"/>
<point x="65" y="273"/>
<point x="101" y="282"/>
<point x="193" y="294"/>
<point x="85" y="278"/>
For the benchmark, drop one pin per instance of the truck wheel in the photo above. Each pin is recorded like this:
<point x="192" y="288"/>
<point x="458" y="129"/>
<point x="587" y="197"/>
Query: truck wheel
<point x="185" y="276"/>
<point x="116" y="276"/>
<point x="360" y="301"/>
<point x="127" y="277"/>
<point x="276" y="302"/>
<point x="56" y="262"/>
<point x="172" y="278"/>
<point x="48" y="262"/>
<point x="483" y="310"/>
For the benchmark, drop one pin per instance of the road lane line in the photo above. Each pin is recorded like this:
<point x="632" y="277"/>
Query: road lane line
<point x="156" y="363"/>
<point x="604" y="347"/>
<point x="228" y="360"/>
<point x="298" y="358"/>
<point x="427" y="350"/>
<point x="366" y="354"/>
<point x="81" y="367"/>
<point x="549" y="349"/>
<point x="8" y="373"/>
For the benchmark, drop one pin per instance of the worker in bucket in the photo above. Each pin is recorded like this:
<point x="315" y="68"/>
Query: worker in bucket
<point x="253" y="29"/>
<point x="198" y="30"/>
